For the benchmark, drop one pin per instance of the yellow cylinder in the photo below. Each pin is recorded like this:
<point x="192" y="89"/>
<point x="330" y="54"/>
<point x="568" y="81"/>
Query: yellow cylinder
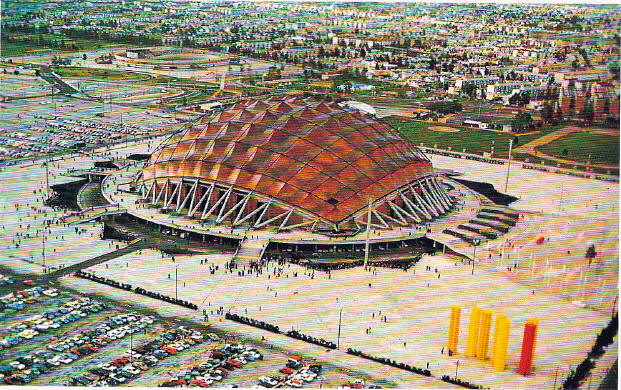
<point x="473" y="332"/>
<point x="501" y="342"/>
<point x="495" y="340"/>
<point x="484" y="328"/>
<point x="454" y="329"/>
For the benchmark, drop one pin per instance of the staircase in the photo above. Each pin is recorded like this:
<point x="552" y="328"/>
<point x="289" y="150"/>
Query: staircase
<point x="250" y="250"/>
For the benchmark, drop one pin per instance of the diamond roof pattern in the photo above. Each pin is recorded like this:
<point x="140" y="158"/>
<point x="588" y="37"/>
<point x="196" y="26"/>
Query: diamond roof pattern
<point x="300" y="150"/>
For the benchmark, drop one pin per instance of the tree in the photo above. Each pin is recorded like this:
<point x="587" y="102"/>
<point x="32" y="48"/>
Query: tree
<point x="574" y="64"/>
<point x="469" y="89"/>
<point x="590" y="253"/>
<point x="559" y="114"/>
<point x="547" y="113"/>
<point x="522" y="121"/>
<point x="614" y="69"/>
<point x="588" y="113"/>
<point x="444" y="108"/>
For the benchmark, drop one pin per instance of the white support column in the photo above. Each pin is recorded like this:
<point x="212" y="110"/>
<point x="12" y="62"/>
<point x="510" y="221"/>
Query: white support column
<point x="232" y="209"/>
<point x="314" y="224"/>
<point x="227" y="196"/>
<point x="205" y="195"/>
<point x="271" y="219"/>
<point x="297" y="225"/>
<point x="154" y="189"/>
<point x="190" y="195"/>
<point x="168" y="201"/>
<point x="398" y="222"/>
<point x="180" y="187"/>
<point x="254" y="212"/>
<point x="414" y="208"/>
<point x="434" y="196"/>
<point x="423" y="203"/>
<point x="262" y="215"/>
<point x="284" y="221"/>
<point x="398" y="211"/>
<point x="403" y="212"/>
<point x="384" y="224"/>
<point x="442" y="191"/>
<point x="164" y="188"/>
<point x="433" y="192"/>
<point x="241" y="209"/>
<point x="218" y="202"/>
<point x="430" y="201"/>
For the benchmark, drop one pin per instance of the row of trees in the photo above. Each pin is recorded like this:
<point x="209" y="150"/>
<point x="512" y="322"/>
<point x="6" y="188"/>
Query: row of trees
<point x="582" y="371"/>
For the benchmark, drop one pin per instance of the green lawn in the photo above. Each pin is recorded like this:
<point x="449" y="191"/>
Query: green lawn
<point x="602" y="148"/>
<point x="473" y="140"/>
<point x="97" y="74"/>
<point x="18" y="48"/>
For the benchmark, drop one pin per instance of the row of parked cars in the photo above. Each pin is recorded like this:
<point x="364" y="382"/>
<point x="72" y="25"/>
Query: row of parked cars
<point x="5" y="280"/>
<point x="53" y="318"/>
<point x="221" y="362"/>
<point x="69" y="349"/>
<point x="18" y="300"/>
<point x="296" y="372"/>
<point x="136" y="360"/>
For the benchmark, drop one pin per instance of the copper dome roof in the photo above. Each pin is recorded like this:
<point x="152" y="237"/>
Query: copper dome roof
<point x="318" y="156"/>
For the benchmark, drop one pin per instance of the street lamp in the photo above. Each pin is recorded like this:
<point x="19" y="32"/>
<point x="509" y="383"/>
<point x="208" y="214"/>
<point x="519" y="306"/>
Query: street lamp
<point x="475" y="242"/>
<point x="131" y="345"/>
<point x="338" y="338"/>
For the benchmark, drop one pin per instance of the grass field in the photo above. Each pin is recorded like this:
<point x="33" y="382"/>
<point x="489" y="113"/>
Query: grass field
<point x="603" y="148"/>
<point x="97" y="74"/>
<point x="27" y="47"/>
<point x="473" y="140"/>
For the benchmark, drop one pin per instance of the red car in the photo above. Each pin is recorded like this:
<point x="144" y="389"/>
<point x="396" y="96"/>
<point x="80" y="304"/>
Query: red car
<point x="11" y="380"/>
<point x="120" y="362"/>
<point x="234" y="362"/>
<point x="29" y="282"/>
<point x="286" y="370"/>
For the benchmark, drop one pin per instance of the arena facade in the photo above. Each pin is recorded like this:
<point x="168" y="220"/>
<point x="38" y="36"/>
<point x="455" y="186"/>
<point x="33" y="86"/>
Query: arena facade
<point x="294" y="163"/>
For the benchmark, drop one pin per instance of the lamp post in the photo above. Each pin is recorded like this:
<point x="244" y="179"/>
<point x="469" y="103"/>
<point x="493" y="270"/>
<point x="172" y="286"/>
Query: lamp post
<point x="457" y="366"/>
<point x="176" y="268"/>
<point x="508" y="165"/>
<point x="475" y="242"/>
<point x="131" y="345"/>
<point x="338" y="337"/>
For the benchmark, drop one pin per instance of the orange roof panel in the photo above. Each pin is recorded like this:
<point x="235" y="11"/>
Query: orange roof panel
<point x="301" y="150"/>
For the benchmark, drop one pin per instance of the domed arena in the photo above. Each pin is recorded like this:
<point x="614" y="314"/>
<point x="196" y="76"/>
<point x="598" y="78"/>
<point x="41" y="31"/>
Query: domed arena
<point x="287" y="163"/>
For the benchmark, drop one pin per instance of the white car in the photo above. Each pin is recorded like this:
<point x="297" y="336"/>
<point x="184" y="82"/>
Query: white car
<point x="267" y="380"/>
<point x="119" y="379"/>
<point x="131" y="369"/>
<point x="54" y="361"/>
<point x="51" y="292"/>
<point x="294" y="383"/>
<point x="17" y="365"/>
<point x="309" y="377"/>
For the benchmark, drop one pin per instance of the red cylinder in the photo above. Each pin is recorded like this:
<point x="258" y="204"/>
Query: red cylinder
<point x="526" y="360"/>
